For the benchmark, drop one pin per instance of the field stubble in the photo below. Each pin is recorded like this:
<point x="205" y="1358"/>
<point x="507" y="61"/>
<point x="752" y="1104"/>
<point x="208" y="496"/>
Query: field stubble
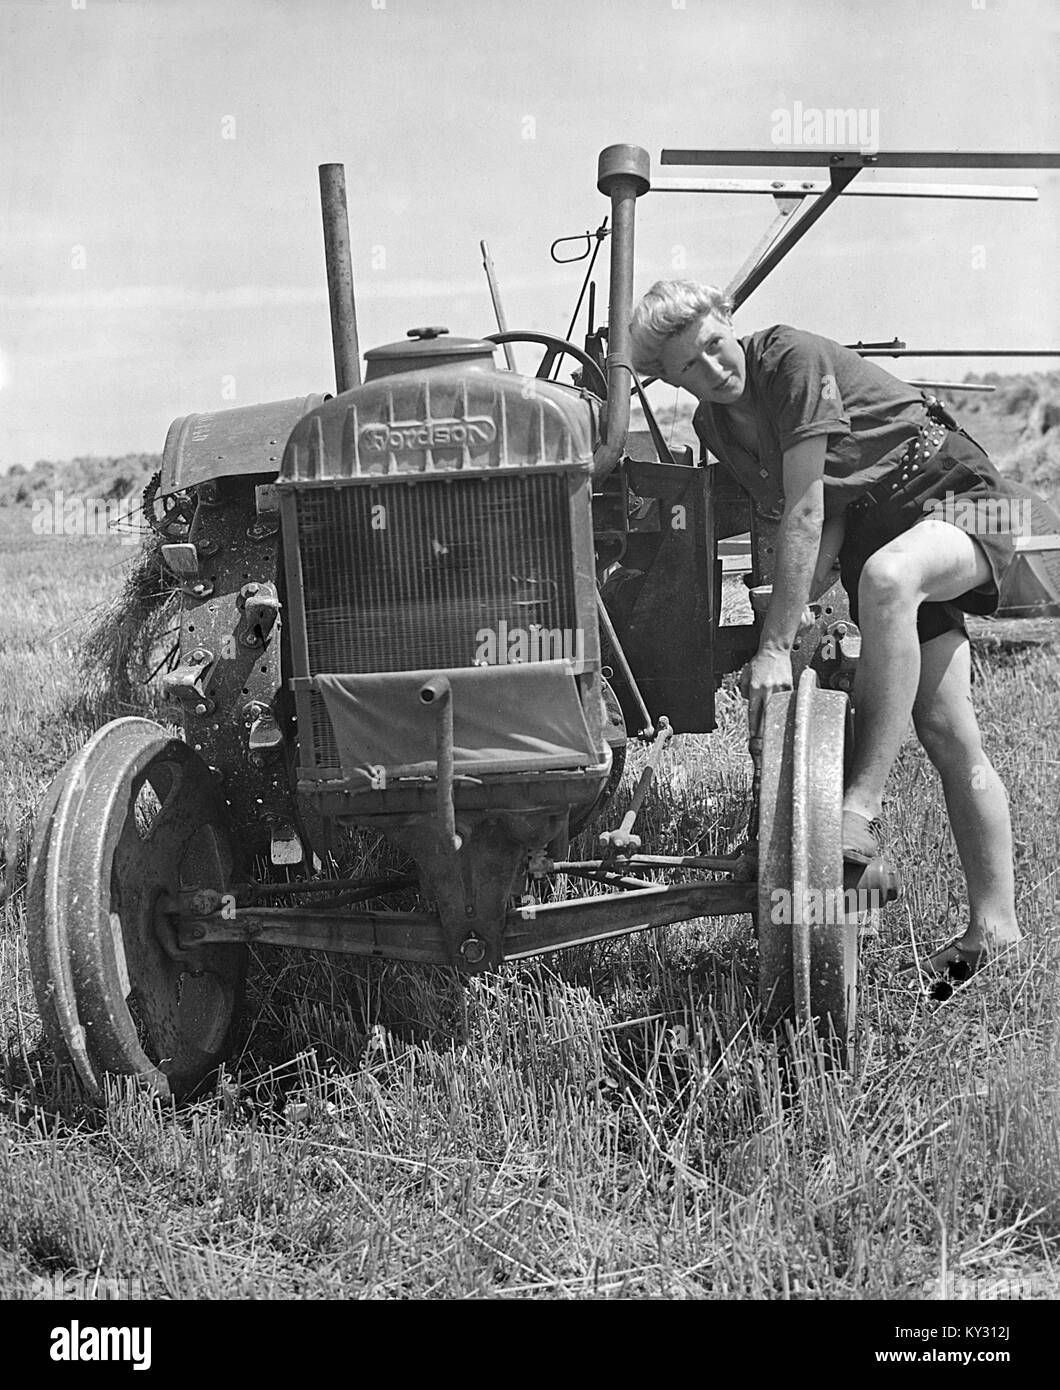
<point x="604" y="1122"/>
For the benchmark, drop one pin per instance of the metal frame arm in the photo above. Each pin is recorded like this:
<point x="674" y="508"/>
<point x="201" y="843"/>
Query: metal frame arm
<point x="802" y="188"/>
<point x="842" y="167"/>
<point x="840" y="177"/>
<point x="854" y="159"/>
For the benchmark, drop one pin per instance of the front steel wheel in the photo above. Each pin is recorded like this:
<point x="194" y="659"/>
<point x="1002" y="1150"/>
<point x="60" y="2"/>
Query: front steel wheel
<point x="132" y="821"/>
<point x="808" y="943"/>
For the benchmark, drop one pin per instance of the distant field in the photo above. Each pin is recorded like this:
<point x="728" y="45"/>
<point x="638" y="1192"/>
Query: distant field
<point x="604" y="1123"/>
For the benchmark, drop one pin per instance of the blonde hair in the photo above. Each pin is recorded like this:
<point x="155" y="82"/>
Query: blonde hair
<point x="668" y="308"/>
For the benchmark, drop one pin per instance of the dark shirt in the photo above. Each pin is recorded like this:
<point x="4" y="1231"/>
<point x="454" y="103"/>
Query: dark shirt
<point x="800" y="385"/>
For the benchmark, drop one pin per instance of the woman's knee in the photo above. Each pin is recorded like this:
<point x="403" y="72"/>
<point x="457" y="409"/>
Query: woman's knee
<point x="890" y="580"/>
<point x="949" y="737"/>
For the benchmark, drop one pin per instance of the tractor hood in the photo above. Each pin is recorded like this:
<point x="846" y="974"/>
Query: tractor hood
<point x="440" y="405"/>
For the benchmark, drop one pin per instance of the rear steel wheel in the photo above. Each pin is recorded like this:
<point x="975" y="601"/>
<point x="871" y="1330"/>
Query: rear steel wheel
<point x="131" y="821"/>
<point x="807" y="945"/>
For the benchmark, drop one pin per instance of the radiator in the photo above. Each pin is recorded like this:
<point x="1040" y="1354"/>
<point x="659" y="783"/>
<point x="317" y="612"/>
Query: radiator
<point x="408" y="576"/>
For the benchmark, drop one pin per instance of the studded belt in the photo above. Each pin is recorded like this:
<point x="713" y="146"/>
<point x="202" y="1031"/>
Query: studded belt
<point x="921" y="449"/>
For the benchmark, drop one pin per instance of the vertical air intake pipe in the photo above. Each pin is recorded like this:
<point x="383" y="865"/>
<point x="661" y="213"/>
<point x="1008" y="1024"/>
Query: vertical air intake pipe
<point x="623" y="174"/>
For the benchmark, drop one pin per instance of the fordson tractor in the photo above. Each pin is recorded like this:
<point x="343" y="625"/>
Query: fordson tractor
<point x="434" y="605"/>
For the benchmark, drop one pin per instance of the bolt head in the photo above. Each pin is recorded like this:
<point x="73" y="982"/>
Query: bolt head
<point x="473" y="949"/>
<point x="200" y="708"/>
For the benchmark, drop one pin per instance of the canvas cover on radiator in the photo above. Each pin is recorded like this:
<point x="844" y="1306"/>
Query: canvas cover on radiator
<point x="512" y="718"/>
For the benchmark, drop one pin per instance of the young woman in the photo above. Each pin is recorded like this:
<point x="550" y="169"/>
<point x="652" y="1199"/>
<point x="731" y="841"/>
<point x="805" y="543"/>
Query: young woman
<point x="924" y="529"/>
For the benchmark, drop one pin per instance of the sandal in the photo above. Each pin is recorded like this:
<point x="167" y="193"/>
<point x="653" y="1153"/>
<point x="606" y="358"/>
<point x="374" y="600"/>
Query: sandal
<point x="861" y="838"/>
<point x="954" y="964"/>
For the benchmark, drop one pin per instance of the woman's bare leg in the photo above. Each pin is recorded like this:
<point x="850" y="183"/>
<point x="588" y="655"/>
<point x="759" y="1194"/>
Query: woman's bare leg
<point x="931" y="562"/>
<point x="975" y="797"/>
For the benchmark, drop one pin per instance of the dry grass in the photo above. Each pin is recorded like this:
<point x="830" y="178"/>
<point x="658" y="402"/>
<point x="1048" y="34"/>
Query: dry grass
<point x="607" y="1122"/>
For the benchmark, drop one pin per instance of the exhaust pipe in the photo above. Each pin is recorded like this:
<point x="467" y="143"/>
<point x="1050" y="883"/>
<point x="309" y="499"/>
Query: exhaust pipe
<point x="339" y="265"/>
<point x="623" y="174"/>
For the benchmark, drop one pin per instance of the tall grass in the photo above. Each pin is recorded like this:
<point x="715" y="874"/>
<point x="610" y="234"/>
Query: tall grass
<point x="606" y="1122"/>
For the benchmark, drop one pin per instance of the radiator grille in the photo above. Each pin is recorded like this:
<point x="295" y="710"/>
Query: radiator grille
<point x="405" y="577"/>
<point x="402" y="578"/>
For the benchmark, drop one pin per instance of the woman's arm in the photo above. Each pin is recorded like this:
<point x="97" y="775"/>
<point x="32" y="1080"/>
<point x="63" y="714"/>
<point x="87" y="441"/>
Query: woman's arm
<point x="801" y="539"/>
<point x="800" y="543"/>
<point x="831" y="543"/>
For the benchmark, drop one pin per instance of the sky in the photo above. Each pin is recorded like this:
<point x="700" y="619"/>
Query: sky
<point x="160" y="241"/>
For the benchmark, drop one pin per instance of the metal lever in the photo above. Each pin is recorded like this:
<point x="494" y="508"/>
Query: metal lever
<point x="622" y="840"/>
<point x="623" y="665"/>
<point x="438" y="693"/>
<point x="587" y="237"/>
<point x="498" y="308"/>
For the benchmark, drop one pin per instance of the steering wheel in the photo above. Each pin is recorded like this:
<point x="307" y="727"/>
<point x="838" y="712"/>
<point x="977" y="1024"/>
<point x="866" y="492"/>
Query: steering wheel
<point x="593" y="380"/>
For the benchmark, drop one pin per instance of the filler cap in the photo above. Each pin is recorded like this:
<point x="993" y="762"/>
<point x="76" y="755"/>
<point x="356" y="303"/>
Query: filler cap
<point x="430" y="347"/>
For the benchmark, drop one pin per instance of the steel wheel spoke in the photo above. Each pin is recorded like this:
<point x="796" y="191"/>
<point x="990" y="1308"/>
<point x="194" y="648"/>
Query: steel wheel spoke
<point x="134" y="860"/>
<point x="154" y="996"/>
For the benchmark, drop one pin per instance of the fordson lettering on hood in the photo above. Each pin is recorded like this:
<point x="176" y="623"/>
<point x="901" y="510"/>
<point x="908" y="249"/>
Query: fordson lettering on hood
<point x="424" y="434"/>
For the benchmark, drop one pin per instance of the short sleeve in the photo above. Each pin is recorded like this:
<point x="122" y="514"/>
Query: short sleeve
<point x="799" y="384"/>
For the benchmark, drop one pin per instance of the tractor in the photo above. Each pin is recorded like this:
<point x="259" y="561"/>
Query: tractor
<point x="435" y="605"/>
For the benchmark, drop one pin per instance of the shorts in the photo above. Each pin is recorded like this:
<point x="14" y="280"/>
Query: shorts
<point x="958" y="484"/>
